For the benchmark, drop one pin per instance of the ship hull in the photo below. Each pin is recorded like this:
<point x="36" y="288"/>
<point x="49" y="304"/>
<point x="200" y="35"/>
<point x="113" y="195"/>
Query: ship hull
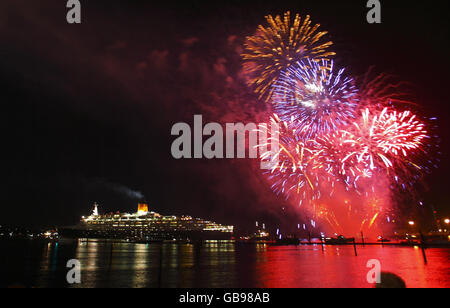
<point x="80" y="232"/>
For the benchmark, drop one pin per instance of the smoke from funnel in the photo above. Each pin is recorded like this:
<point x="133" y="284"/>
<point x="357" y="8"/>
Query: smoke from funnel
<point x="118" y="189"/>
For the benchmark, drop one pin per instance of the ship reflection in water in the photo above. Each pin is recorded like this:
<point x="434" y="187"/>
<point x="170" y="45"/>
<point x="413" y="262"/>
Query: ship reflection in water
<point x="214" y="264"/>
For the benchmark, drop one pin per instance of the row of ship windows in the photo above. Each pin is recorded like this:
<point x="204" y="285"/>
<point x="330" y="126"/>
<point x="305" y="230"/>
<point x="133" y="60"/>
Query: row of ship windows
<point x="158" y="221"/>
<point x="167" y="230"/>
<point x="145" y="224"/>
<point x="153" y="219"/>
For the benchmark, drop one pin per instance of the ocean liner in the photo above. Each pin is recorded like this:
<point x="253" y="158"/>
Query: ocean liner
<point x="145" y="225"/>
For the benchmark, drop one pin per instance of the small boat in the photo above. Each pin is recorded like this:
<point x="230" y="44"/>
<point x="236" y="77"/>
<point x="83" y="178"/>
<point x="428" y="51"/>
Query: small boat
<point x="340" y="240"/>
<point x="383" y="240"/>
<point x="288" y="241"/>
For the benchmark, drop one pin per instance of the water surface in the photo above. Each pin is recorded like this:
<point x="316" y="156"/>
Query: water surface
<point x="214" y="264"/>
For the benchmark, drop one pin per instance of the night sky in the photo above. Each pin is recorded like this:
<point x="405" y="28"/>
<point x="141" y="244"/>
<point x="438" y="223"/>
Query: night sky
<point x="87" y="109"/>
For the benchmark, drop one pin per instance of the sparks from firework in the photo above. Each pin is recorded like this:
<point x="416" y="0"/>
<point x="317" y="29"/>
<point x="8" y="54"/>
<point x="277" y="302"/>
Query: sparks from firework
<point x="296" y="169"/>
<point x="388" y="136"/>
<point x="376" y="146"/>
<point x="277" y="46"/>
<point x="376" y="143"/>
<point x="315" y="97"/>
<point x="323" y="212"/>
<point x="382" y="90"/>
<point x="336" y="148"/>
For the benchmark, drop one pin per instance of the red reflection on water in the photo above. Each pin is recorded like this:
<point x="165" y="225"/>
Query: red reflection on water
<point x="338" y="267"/>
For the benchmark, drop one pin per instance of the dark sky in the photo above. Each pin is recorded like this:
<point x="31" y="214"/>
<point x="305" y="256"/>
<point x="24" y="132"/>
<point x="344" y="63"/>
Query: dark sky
<point x="88" y="109"/>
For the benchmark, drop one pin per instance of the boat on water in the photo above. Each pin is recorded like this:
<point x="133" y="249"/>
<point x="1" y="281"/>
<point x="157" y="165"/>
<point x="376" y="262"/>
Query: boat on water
<point x="289" y="240"/>
<point x="146" y="226"/>
<point x="340" y="240"/>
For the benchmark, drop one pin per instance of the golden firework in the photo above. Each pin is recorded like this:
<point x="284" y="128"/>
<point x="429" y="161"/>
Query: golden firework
<point x="275" y="47"/>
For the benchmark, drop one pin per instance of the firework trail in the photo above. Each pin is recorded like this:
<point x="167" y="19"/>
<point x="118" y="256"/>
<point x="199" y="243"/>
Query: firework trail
<point x="279" y="45"/>
<point x="382" y="90"/>
<point x="316" y="97"/>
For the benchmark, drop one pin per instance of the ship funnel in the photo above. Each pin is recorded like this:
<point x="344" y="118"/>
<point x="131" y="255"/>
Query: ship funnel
<point x="142" y="208"/>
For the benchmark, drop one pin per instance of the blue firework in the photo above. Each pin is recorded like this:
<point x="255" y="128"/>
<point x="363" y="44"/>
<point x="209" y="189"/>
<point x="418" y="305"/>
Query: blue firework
<point x="315" y="97"/>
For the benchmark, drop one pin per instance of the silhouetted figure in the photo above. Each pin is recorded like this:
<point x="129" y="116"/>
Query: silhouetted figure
<point x="390" y="281"/>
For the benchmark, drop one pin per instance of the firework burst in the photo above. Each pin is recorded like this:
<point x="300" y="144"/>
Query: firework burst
<point x="345" y="150"/>
<point x="383" y="143"/>
<point x="296" y="169"/>
<point x="316" y="97"/>
<point x="277" y="46"/>
<point x="389" y="137"/>
<point x="336" y="148"/>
